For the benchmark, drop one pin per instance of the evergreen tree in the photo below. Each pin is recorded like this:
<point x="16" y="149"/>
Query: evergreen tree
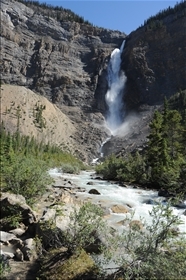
<point x="156" y="148"/>
<point x="174" y="133"/>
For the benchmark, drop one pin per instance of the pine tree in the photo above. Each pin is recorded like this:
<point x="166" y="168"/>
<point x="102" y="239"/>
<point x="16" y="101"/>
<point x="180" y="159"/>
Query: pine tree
<point x="173" y="133"/>
<point x="155" y="161"/>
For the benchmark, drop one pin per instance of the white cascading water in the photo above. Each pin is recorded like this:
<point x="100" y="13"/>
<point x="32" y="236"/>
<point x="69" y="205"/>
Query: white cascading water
<point x="138" y="200"/>
<point x="114" y="95"/>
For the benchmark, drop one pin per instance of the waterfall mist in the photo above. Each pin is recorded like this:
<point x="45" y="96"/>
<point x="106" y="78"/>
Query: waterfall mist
<point x="114" y="95"/>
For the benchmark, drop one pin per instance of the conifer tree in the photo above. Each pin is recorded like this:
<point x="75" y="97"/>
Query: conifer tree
<point x="155" y="147"/>
<point x="174" y="133"/>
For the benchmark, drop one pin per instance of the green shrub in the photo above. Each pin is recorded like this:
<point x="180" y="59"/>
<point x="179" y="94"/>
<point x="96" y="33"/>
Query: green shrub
<point x="155" y="251"/>
<point x="70" y="168"/>
<point x="25" y="176"/>
<point x="142" y="251"/>
<point x="85" y="225"/>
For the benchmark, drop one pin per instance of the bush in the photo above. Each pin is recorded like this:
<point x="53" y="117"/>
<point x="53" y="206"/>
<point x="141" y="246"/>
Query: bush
<point x="25" y="176"/>
<point x="70" y="168"/>
<point x="154" y="251"/>
<point x="142" y="252"/>
<point x="85" y="225"/>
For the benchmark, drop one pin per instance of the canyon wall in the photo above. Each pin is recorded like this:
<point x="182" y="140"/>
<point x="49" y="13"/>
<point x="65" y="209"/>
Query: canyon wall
<point x="154" y="59"/>
<point x="66" y="62"/>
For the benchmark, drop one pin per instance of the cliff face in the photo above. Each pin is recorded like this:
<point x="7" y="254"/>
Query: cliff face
<point x="66" y="62"/>
<point x="154" y="60"/>
<point x="60" y="61"/>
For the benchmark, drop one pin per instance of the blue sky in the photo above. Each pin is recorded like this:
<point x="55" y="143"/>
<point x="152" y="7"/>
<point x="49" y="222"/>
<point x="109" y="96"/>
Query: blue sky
<point x="124" y="16"/>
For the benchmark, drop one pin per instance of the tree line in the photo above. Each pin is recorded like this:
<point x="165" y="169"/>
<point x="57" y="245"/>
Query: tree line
<point x="156" y="21"/>
<point x="57" y="12"/>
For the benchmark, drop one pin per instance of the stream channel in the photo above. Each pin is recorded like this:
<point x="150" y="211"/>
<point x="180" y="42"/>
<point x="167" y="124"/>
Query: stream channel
<point x="134" y="200"/>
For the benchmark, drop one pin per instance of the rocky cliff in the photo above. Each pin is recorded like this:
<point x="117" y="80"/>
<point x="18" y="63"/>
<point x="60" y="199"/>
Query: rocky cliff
<point x="154" y="59"/>
<point x="154" y="62"/>
<point x="60" y="61"/>
<point x="66" y="62"/>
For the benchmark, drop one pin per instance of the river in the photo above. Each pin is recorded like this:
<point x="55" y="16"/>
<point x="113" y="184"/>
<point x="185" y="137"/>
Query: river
<point x="136" y="201"/>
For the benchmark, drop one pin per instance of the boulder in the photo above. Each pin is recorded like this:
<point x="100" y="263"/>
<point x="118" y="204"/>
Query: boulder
<point x="48" y="214"/>
<point x="5" y="236"/>
<point x="121" y="223"/>
<point x="19" y="255"/>
<point x="12" y="204"/>
<point x="119" y="209"/>
<point x="67" y="198"/>
<point x="94" y="191"/>
<point x="6" y="255"/>
<point x="29" y="249"/>
<point x="17" y="231"/>
<point x="164" y="193"/>
<point x="90" y="183"/>
<point x="98" y="178"/>
<point x="51" y="225"/>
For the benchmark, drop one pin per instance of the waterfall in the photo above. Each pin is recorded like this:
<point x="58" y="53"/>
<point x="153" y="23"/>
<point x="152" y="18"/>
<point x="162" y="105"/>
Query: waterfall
<point x="101" y="148"/>
<point x="114" y="95"/>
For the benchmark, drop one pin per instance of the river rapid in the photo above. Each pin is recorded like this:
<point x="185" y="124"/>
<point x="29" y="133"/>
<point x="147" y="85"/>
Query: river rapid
<point x="137" y="202"/>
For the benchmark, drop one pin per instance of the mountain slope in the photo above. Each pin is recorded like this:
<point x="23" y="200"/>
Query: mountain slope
<point x="20" y="107"/>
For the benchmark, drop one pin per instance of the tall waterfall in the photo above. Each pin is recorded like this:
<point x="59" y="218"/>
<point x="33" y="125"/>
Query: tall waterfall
<point x="114" y="95"/>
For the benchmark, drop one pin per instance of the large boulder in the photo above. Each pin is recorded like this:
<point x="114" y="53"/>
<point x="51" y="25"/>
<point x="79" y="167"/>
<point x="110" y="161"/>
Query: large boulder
<point x="9" y="244"/>
<point x="5" y="236"/>
<point x="15" y="210"/>
<point x="54" y="221"/>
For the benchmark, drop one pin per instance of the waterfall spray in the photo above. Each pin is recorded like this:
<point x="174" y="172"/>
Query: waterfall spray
<point x="114" y="95"/>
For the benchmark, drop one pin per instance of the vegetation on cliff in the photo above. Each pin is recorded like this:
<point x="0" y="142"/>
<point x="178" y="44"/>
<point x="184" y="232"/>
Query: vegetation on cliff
<point x="163" y="163"/>
<point x="57" y="12"/>
<point x="179" y="10"/>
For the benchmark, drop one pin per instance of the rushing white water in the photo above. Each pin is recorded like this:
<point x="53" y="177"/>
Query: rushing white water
<point x="114" y="95"/>
<point x="103" y="143"/>
<point x="138" y="201"/>
<point x="135" y="200"/>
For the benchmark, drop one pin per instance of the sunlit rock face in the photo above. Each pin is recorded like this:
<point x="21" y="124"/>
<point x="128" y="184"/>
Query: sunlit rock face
<point x="62" y="62"/>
